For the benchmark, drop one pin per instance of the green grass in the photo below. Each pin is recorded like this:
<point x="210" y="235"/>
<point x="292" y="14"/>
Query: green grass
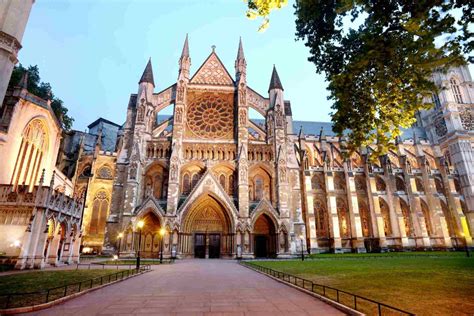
<point x="39" y="282"/>
<point x="389" y="254"/>
<point x="422" y="285"/>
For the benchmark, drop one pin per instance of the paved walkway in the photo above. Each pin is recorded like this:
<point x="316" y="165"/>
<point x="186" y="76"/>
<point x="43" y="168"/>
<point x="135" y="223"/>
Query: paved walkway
<point x="196" y="287"/>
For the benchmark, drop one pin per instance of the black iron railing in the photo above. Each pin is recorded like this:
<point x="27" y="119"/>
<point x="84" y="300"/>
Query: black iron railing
<point x="354" y="301"/>
<point x="16" y="300"/>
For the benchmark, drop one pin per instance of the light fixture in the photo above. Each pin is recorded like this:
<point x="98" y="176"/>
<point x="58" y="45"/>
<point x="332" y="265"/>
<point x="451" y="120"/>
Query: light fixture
<point x="301" y="236"/>
<point x="120" y="235"/>
<point x="140" y="224"/>
<point x="16" y="243"/>
<point x="162" y="232"/>
<point x="115" y="257"/>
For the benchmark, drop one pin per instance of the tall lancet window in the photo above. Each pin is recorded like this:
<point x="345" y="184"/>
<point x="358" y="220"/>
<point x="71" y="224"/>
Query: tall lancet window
<point x="100" y="207"/>
<point x="33" y="149"/>
<point x="456" y="90"/>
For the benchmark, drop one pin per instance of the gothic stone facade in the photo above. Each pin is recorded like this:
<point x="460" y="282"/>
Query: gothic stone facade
<point x="224" y="185"/>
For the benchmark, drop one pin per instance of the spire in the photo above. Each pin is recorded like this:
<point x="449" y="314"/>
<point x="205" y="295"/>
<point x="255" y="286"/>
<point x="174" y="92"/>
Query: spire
<point x="148" y="74"/>
<point x="300" y="134"/>
<point x="240" y="53"/>
<point x="185" y="52"/>
<point x="24" y="81"/>
<point x="275" y="82"/>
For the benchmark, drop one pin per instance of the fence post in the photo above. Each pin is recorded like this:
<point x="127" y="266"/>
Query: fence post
<point x="47" y="296"/>
<point x="80" y="285"/>
<point x="7" y="303"/>
<point x="355" y="302"/>
<point x="91" y="283"/>
<point x="337" y="294"/>
<point x="65" y="290"/>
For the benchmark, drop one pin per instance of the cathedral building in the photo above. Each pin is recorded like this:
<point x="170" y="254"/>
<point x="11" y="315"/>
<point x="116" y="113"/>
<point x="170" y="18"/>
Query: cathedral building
<point x="225" y="185"/>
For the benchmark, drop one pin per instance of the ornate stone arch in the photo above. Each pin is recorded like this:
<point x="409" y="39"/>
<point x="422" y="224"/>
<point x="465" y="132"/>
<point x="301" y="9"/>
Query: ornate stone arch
<point x="264" y="207"/>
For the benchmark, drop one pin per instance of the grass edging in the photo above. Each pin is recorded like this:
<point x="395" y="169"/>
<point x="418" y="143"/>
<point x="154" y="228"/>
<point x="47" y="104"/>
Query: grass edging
<point x="33" y="308"/>
<point x="333" y="303"/>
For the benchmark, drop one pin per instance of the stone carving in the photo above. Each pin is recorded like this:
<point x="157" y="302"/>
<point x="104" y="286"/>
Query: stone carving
<point x="213" y="73"/>
<point x="278" y="117"/>
<point x="440" y="126"/>
<point x="210" y="116"/>
<point x="243" y="117"/>
<point x="133" y="171"/>
<point x="242" y="95"/>
<point x="467" y="119"/>
<point x="174" y="172"/>
<point x="179" y="115"/>
<point x="105" y="173"/>
<point x="180" y="94"/>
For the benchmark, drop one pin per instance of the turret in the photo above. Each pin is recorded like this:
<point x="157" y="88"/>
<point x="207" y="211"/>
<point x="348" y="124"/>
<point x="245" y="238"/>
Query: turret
<point x="146" y="84"/>
<point x="184" y="61"/>
<point x="240" y="64"/>
<point x="277" y="102"/>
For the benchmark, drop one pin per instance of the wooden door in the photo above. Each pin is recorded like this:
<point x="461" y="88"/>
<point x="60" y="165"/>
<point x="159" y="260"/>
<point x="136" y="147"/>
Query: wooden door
<point x="200" y="246"/>
<point x="214" y="245"/>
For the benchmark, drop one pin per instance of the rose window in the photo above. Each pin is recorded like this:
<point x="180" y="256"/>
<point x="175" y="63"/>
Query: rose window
<point x="210" y="117"/>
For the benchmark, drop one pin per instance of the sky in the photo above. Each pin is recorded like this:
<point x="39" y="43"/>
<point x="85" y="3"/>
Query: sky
<point x="93" y="52"/>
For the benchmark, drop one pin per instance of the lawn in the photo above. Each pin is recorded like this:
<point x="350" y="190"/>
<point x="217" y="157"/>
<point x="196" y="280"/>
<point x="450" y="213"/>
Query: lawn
<point x="132" y="262"/>
<point x="423" y="285"/>
<point x="38" y="282"/>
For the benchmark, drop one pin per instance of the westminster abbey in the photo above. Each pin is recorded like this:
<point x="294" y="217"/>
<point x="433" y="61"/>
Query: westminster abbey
<point x="225" y="185"/>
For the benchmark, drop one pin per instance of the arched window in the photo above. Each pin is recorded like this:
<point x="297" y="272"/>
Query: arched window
<point x="231" y="185"/>
<point x="457" y="185"/>
<point x="406" y="217"/>
<point x="449" y="218"/>
<point x="380" y="184"/>
<point x="33" y="149"/>
<point x="426" y="215"/>
<point x="436" y="102"/>
<point x="339" y="182"/>
<point x="419" y="185"/>
<point x="194" y="180"/>
<point x="258" y="188"/>
<point x="365" y="218"/>
<point x="400" y="184"/>
<point x="186" y="184"/>
<point x="386" y="217"/>
<point x="456" y="90"/>
<point x="100" y="207"/>
<point x="322" y="216"/>
<point x="317" y="182"/>
<point x="344" y="221"/>
<point x="222" y="181"/>
<point x="439" y="185"/>
<point x="360" y="183"/>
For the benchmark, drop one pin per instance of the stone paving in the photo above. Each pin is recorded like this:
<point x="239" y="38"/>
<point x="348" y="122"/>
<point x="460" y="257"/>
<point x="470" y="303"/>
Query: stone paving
<point x="195" y="287"/>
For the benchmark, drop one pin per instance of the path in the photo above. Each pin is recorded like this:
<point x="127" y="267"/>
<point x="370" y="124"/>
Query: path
<point x="197" y="287"/>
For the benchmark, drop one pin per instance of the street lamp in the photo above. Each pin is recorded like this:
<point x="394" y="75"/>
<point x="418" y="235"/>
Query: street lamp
<point x="466" y="248"/>
<point x="162" y="234"/>
<point x="302" y="252"/>
<point x="140" y="225"/>
<point x="119" y="236"/>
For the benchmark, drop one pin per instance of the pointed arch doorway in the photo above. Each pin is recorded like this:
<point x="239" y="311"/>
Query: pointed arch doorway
<point x="207" y="230"/>
<point x="264" y="237"/>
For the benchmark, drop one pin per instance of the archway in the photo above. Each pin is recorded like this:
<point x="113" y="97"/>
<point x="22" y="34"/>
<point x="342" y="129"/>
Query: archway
<point x="207" y="230"/>
<point x="264" y="237"/>
<point x="150" y="244"/>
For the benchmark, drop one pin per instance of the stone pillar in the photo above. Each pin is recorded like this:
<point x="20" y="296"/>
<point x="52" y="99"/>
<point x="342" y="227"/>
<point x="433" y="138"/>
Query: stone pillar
<point x="419" y="223"/>
<point x="334" y="231"/>
<point x="377" y="214"/>
<point x="312" y="231"/>
<point x="13" y="21"/>
<point x="353" y="204"/>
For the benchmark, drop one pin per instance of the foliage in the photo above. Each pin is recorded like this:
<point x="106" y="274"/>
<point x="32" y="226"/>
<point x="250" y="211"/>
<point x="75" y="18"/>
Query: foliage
<point x="422" y="285"/>
<point x="42" y="90"/>
<point x="263" y="8"/>
<point x="378" y="57"/>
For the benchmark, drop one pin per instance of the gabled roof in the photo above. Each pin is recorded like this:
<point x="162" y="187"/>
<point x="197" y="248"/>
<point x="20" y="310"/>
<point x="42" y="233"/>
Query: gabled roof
<point x="101" y="119"/>
<point x="213" y="72"/>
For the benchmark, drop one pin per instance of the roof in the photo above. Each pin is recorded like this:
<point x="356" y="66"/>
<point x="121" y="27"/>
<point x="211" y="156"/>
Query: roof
<point x="148" y="74"/>
<point x="101" y="119"/>
<point x="275" y="82"/>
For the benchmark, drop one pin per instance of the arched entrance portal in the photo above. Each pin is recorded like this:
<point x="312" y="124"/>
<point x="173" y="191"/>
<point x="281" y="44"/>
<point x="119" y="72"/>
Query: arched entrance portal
<point x="150" y="245"/>
<point x="207" y="230"/>
<point x="264" y="237"/>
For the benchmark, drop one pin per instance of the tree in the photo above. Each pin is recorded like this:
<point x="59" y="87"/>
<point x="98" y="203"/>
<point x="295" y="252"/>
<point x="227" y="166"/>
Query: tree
<point x="378" y="57"/>
<point x="263" y="8"/>
<point x="42" y="90"/>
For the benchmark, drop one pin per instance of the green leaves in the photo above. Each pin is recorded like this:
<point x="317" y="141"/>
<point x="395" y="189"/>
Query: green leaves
<point x="379" y="71"/>
<point x="42" y="90"/>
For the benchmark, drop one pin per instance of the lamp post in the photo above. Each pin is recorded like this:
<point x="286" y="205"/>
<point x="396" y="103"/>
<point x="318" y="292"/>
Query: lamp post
<point x="140" y="225"/>
<point x="466" y="248"/>
<point x="162" y="234"/>
<point x="119" y="236"/>
<point x="302" y="251"/>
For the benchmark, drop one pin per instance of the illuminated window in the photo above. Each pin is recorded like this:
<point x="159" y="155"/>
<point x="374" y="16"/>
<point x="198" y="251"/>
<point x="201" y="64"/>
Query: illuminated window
<point x="100" y="208"/>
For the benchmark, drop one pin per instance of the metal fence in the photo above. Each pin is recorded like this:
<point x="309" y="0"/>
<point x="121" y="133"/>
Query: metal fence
<point x="16" y="300"/>
<point x="356" y="302"/>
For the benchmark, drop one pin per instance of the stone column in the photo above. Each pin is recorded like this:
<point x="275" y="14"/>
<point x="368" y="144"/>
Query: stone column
<point x="353" y="204"/>
<point x="334" y="231"/>
<point x="313" y="236"/>
<point x="377" y="214"/>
